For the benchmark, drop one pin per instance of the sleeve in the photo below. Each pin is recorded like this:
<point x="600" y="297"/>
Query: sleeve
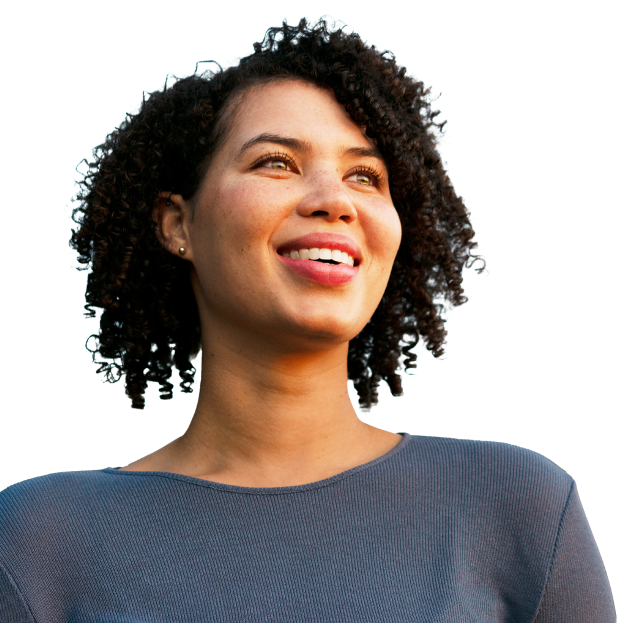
<point x="12" y="607"/>
<point x="577" y="589"/>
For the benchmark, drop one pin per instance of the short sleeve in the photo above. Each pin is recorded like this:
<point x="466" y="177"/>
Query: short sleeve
<point x="577" y="589"/>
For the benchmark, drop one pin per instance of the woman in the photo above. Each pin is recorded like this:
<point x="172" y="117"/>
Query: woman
<point x="291" y="218"/>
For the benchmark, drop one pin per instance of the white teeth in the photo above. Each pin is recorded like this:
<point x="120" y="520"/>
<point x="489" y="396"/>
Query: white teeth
<point x="335" y="255"/>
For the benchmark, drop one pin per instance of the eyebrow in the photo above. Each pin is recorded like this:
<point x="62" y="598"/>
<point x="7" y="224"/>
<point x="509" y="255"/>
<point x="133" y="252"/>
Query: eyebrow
<point x="302" y="146"/>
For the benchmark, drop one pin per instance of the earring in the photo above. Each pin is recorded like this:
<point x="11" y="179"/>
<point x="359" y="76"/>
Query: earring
<point x="168" y="202"/>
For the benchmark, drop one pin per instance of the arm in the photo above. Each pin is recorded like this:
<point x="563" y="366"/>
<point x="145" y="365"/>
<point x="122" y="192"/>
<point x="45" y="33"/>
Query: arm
<point x="577" y="589"/>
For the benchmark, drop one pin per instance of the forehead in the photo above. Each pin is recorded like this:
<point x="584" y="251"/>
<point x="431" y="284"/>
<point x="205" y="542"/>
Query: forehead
<point x="293" y="108"/>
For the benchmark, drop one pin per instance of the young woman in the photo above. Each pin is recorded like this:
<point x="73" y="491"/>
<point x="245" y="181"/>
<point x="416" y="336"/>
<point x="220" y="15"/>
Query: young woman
<point x="292" y="218"/>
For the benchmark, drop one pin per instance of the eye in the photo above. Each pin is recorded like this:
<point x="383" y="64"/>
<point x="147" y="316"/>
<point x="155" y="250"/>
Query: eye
<point x="366" y="176"/>
<point x="277" y="162"/>
<point x="363" y="172"/>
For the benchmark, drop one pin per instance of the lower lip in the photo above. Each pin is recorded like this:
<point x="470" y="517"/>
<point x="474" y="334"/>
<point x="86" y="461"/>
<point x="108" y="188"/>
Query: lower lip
<point x="317" y="272"/>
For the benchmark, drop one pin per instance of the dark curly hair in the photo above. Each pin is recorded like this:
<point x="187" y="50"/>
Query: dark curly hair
<point x="150" y="321"/>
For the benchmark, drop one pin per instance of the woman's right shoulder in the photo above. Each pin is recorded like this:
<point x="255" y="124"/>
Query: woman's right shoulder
<point x="46" y="493"/>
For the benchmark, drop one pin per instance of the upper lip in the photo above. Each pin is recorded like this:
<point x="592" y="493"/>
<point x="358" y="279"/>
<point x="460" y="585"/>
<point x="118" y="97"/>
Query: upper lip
<point x="324" y="240"/>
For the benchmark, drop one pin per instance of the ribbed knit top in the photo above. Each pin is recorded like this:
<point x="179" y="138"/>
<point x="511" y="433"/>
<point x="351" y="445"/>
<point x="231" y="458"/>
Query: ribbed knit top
<point x="436" y="530"/>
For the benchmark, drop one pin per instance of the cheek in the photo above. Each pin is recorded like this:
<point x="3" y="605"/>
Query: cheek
<point x="234" y="224"/>
<point x="257" y="209"/>
<point x="391" y="230"/>
<point x="396" y="232"/>
<point x="224" y="213"/>
<point x="384" y="233"/>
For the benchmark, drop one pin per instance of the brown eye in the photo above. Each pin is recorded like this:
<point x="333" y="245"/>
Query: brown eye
<point x="276" y="162"/>
<point x="366" y="176"/>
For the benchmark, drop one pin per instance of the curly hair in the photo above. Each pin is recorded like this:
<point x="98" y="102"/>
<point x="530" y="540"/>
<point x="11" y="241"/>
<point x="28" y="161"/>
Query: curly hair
<point x="149" y="321"/>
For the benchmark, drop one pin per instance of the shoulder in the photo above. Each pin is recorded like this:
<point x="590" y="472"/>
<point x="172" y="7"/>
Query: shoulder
<point x="494" y="477"/>
<point x="488" y="460"/>
<point x="53" y="505"/>
<point x="49" y="486"/>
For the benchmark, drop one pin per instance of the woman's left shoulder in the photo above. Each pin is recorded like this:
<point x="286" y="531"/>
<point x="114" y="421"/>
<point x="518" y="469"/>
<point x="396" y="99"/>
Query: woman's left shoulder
<point x="522" y="474"/>
<point x="496" y="465"/>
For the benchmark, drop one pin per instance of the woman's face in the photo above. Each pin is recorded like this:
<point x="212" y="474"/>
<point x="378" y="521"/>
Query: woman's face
<point x="294" y="173"/>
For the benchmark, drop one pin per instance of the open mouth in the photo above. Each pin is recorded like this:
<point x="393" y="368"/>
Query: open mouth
<point x="332" y="262"/>
<point x="322" y="261"/>
<point x="325" y="265"/>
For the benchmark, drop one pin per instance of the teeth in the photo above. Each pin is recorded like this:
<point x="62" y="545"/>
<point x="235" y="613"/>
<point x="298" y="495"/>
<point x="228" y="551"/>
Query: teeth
<point x="321" y="254"/>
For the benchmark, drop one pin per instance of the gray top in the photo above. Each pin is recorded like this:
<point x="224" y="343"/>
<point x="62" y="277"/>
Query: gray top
<point x="436" y="530"/>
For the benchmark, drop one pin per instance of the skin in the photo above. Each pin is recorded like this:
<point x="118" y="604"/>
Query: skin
<point x="273" y="406"/>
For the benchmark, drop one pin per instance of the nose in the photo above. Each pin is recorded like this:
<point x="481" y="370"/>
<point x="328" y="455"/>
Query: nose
<point x="329" y="200"/>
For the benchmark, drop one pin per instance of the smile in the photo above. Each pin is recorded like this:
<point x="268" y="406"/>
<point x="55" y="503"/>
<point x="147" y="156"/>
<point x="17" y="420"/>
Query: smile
<point x="318" y="272"/>
<point x="325" y="255"/>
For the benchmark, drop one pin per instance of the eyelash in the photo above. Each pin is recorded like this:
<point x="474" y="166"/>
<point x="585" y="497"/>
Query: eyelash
<point x="377" y="176"/>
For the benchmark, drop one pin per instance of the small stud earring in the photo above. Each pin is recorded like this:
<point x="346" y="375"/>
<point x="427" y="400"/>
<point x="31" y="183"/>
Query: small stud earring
<point x="181" y="250"/>
<point x="168" y="202"/>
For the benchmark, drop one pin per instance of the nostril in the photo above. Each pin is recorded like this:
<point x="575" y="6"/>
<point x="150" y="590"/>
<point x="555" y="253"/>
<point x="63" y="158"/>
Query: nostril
<point x="320" y="213"/>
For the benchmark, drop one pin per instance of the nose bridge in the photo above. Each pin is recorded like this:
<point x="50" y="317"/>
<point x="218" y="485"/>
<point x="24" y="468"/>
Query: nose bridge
<point x="326" y="184"/>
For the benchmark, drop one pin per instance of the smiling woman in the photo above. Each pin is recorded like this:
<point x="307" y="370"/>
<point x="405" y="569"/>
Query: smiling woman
<point x="291" y="177"/>
<point x="291" y="218"/>
<point x="150" y="319"/>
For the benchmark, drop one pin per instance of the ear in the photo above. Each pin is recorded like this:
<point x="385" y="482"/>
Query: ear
<point x="167" y="213"/>
<point x="164" y="199"/>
